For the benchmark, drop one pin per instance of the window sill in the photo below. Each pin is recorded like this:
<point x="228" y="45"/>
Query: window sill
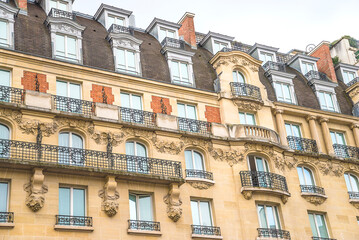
<point x="7" y="225"/>
<point x="73" y="228"/>
<point x="144" y="232"/>
<point x="199" y="236"/>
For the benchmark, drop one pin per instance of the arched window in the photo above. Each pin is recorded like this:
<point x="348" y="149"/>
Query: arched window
<point x="136" y="157"/>
<point x="259" y="171"/>
<point x="258" y="164"/>
<point x="194" y="160"/>
<point x="71" y="149"/>
<point x="305" y="176"/>
<point x="352" y="182"/>
<point x="238" y="77"/>
<point x="4" y="141"/>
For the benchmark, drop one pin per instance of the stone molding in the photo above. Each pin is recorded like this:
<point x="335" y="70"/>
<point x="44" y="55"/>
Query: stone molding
<point x="110" y="196"/>
<point x="174" y="202"/>
<point x="36" y="190"/>
<point x="200" y="183"/>
<point x="247" y="193"/>
<point x="314" y="198"/>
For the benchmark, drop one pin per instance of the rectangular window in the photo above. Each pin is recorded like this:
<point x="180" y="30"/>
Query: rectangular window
<point x="337" y="137"/>
<point x="318" y="225"/>
<point x="348" y="76"/>
<point x="4" y="196"/>
<point x="141" y="207"/>
<point x="59" y="5"/>
<point x="265" y="57"/>
<point x="293" y="130"/>
<point x="307" y="67"/>
<point x="186" y="111"/>
<point x="68" y="89"/>
<point x="179" y="71"/>
<point x="4" y="35"/>
<point x="133" y="101"/>
<point x="126" y="61"/>
<point x="66" y="47"/>
<point x="218" y="46"/>
<point x="164" y="32"/>
<point x="72" y="202"/>
<point x="326" y="101"/>
<point x="283" y="92"/>
<point x="201" y="213"/>
<point x="115" y="20"/>
<point x="247" y="118"/>
<point x="268" y="216"/>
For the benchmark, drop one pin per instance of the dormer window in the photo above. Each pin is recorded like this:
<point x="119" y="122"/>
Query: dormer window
<point x="4" y="33"/>
<point x="108" y="15"/>
<point x="284" y="92"/>
<point x="218" y="46"/>
<point x="215" y="42"/>
<point x="111" y="19"/>
<point x="180" y="73"/>
<point x="326" y="100"/>
<point x="266" y="56"/>
<point x="59" y="5"/>
<point x="164" y="32"/>
<point x="307" y="67"/>
<point x="161" y="29"/>
<point x="263" y="53"/>
<point x="126" y="61"/>
<point x="7" y="20"/>
<point x="66" y="48"/>
<point x="348" y="76"/>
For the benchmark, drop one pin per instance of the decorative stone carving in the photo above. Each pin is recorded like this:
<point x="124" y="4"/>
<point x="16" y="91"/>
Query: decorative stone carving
<point x="237" y="59"/>
<point x="201" y="185"/>
<point x="173" y="201"/>
<point x="330" y="167"/>
<point x="110" y="197"/>
<point x="315" y="199"/>
<point x="248" y="104"/>
<point x="36" y="190"/>
<point x="284" y="199"/>
<point x="247" y="194"/>
<point x="103" y="137"/>
<point x="231" y="156"/>
<point x="355" y="204"/>
<point x="173" y="148"/>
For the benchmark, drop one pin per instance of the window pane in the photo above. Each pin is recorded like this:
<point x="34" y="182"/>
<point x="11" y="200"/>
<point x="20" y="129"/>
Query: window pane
<point x="120" y="59"/>
<point x="162" y="34"/>
<point x="301" y="176"/>
<point x="216" y="47"/>
<point x="62" y="6"/>
<point x="130" y="148"/>
<point x="181" y="110"/>
<point x="250" y="119"/>
<point x="313" y="225"/>
<point x="333" y="136"/>
<point x="329" y="100"/>
<point x="308" y="177"/>
<point x="170" y="34"/>
<point x="110" y="20"/>
<point x="3" y="32"/>
<point x="3" y="197"/>
<point x="340" y="138"/>
<point x="238" y="77"/>
<point x="64" y="201"/>
<point x="287" y="96"/>
<point x="198" y="161"/>
<point x="4" y="132"/>
<point x="323" y="104"/>
<point x="76" y="141"/>
<point x="140" y="150"/>
<point x="120" y="21"/>
<point x="136" y="102"/>
<point x="205" y="214"/>
<point x="242" y="118"/>
<point x="64" y="140"/>
<point x="322" y="227"/>
<point x="260" y="165"/>
<point x="191" y="112"/>
<point x="78" y="202"/>
<point x="145" y="208"/>
<point x="354" y="183"/>
<point x="131" y="64"/>
<point x="262" y="217"/>
<point x="189" y="160"/>
<point x="125" y="100"/>
<point x="279" y="92"/>
<point x="296" y="131"/>
<point x="288" y="129"/>
<point x="61" y="88"/>
<point x="271" y="217"/>
<point x="71" y="47"/>
<point x="60" y="45"/>
<point x="133" y="209"/>
<point x="184" y="72"/>
<point x="75" y="91"/>
<point x="347" y="181"/>
<point x="195" y="213"/>
<point x="175" y="70"/>
<point x="53" y="4"/>
<point x="4" y="78"/>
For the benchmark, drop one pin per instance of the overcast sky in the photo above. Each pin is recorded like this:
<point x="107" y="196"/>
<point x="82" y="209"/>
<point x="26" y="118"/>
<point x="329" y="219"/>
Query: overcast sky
<point x="286" y="24"/>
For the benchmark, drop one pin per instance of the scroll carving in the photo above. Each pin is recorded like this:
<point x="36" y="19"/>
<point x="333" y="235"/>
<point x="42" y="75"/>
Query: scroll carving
<point x="173" y="201"/>
<point x="36" y="190"/>
<point x="315" y="199"/>
<point x="110" y="197"/>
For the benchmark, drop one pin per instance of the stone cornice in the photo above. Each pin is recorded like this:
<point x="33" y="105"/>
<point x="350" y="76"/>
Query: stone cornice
<point x="227" y="57"/>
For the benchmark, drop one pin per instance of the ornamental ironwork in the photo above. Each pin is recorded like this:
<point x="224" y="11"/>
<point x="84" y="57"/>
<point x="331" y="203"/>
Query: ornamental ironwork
<point x="312" y="189"/>
<point x="138" y="116"/>
<point x="172" y="42"/>
<point x="74" y="105"/>
<point x="193" y="173"/>
<point x="321" y="238"/>
<point x="273" y="233"/>
<point x="144" y="225"/>
<point x="302" y="144"/>
<point x="57" y="13"/>
<point x="315" y="75"/>
<point x="120" y="29"/>
<point x="353" y="195"/>
<point x="245" y="90"/>
<point x="345" y="151"/>
<point x="37" y="84"/>
<point x="352" y="82"/>
<point x="6" y="217"/>
<point x="163" y="107"/>
<point x="277" y="66"/>
<point x="104" y="95"/>
<point x="206" y="230"/>
<point x="264" y="180"/>
<point x="11" y="95"/>
<point x="194" y="126"/>
<point x="73" y="220"/>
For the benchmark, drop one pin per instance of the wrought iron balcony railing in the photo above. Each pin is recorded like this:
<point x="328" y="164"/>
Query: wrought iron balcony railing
<point x="6" y="217"/>
<point x="321" y="238"/>
<point x="193" y="173"/>
<point x="120" y="29"/>
<point x="172" y="42"/>
<point x="73" y="220"/>
<point x="345" y="151"/>
<point x="74" y="105"/>
<point x="206" y="230"/>
<point x="57" y="155"/>
<point x="352" y="82"/>
<point x="302" y="144"/>
<point x="240" y="48"/>
<point x="316" y="75"/>
<point x="57" y="13"/>
<point x="273" y="233"/>
<point x="12" y="95"/>
<point x="353" y="195"/>
<point x="264" y="180"/>
<point x="245" y="90"/>
<point x="193" y="125"/>
<point x="277" y="66"/>
<point x="312" y="189"/>
<point x="144" y="225"/>
<point x="138" y="116"/>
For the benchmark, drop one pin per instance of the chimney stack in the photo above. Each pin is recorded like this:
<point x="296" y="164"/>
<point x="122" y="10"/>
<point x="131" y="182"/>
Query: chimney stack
<point x="22" y="4"/>
<point x="325" y="62"/>
<point x="187" y="30"/>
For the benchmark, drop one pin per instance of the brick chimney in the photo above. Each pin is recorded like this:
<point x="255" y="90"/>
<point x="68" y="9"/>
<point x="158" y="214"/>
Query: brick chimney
<point x="22" y="4"/>
<point x="187" y="29"/>
<point x="325" y="63"/>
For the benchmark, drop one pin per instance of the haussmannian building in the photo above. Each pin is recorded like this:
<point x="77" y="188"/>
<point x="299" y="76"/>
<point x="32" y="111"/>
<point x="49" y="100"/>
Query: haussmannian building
<point x="110" y="131"/>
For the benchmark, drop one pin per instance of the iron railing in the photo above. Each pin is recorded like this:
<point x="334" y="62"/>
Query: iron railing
<point x="302" y="144"/>
<point x="193" y="173"/>
<point x="144" y="225"/>
<point x="312" y="189"/>
<point x="321" y="238"/>
<point x="138" y="116"/>
<point x="206" y="230"/>
<point x="193" y="125"/>
<point x="245" y="90"/>
<point x="57" y="155"/>
<point x="172" y="42"/>
<point x="316" y="75"/>
<point x="57" y="13"/>
<point x="278" y="66"/>
<point x="74" y="105"/>
<point x="353" y="195"/>
<point x="352" y="82"/>
<point x="74" y="220"/>
<point x="273" y="233"/>
<point x="120" y="29"/>
<point x="345" y="151"/>
<point x="235" y="48"/>
<point x="12" y="95"/>
<point x="264" y="180"/>
<point x="6" y="217"/>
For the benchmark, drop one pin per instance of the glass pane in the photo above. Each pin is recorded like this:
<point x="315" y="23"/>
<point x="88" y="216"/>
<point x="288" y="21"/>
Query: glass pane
<point x="75" y="91"/>
<point x="130" y="148"/>
<point x="162" y="34"/>
<point x="181" y="110"/>
<point x="271" y="217"/>
<point x="131" y="64"/>
<point x="205" y="213"/>
<point x="61" y="88"/>
<point x="308" y="177"/>
<point x="301" y="176"/>
<point x="313" y="225"/>
<point x="175" y="70"/>
<point x="198" y="161"/>
<point x="63" y="6"/>
<point x="333" y="137"/>
<point x="288" y="129"/>
<point x="189" y="160"/>
<point x="323" y="104"/>
<point x="191" y="112"/>
<point x="3" y="32"/>
<point x="260" y="165"/>
<point x="120" y="59"/>
<point x="322" y="226"/>
<point x="287" y="96"/>
<point x="125" y="100"/>
<point x="340" y="138"/>
<point x="347" y="181"/>
<point x="354" y="183"/>
<point x="64" y="140"/>
<point x="262" y="57"/>
<point x="329" y="100"/>
<point x="3" y="197"/>
<point x="76" y="141"/>
<point x="170" y="34"/>
<point x="145" y="208"/>
<point x="238" y="77"/>
<point x="4" y="132"/>
<point x="250" y="119"/>
<point x="64" y="201"/>
<point x="110" y="20"/>
<point x="53" y="4"/>
<point x="4" y="78"/>
<point x="79" y="202"/>
<point x="184" y="72"/>
<point x="136" y="102"/>
<point x="296" y="131"/>
<point x="141" y="150"/>
<point x="120" y="21"/>
<point x="278" y="91"/>
<point x="60" y="45"/>
<point x="216" y="47"/>
<point x="277" y="217"/>
<point x="133" y="208"/>
<point x="242" y="118"/>
<point x="195" y="213"/>
<point x="262" y="217"/>
<point x="71" y="47"/>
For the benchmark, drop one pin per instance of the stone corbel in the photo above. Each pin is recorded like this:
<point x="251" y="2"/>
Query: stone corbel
<point x="173" y="201"/>
<point x="315" y="199"/>
<point x="36" y="190"/>
<point x="110" y="196"/>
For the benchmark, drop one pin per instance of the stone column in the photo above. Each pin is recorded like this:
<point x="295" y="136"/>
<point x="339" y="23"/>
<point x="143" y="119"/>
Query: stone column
<point x="355" y="128"/>
<point x="314" y="132"/>
<point x="326" y="135"/>
<point x="280" y="126"/>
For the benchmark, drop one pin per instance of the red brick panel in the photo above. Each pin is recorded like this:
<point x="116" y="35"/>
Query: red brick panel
<point x="213" y="114"/>
<point x="187" y="30"/>
<point x="161" y="105"/>
<point x="325" y="63"/>
<point x="102" y="94"/>
<point x="22" y="4"/>
<point x="29" y="81"/>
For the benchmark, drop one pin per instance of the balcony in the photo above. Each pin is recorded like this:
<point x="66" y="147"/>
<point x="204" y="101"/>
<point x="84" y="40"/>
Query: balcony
<point x="72" y="105"/>
<point x="206" y="232"/>
<point x="172" y="43"/>
<point x="12" y="95"/>
<point x="264" y="182"/>
<point x="245" y="90"/>
<point x="71" y="223"/>
<point x="193" y="173"/>
<point x="312" y="189"/>
<point x="321" y="238"/>
<point x="144" y="227"/>
<point x="315" y="75"/>
<point x="199" y="179"/>
<point x="313" y="194"/>
<point x="120" y="29"/>
<point x="302" y="144"/>
<point x="352" y="82"/>
<point x="253" y="132"/>
<point x="273" y="233"/>
<point x="344" y="151"/>
<point x="276" y="66"/>
<point x="7" y="220"/>
<point x="194" y="126"/>
<point x="354" y="199"/>
<point x="57" y="13"/>
<point x="130" y="115"/>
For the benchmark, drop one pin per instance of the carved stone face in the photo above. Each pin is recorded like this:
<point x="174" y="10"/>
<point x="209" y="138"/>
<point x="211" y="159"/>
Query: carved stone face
<point x="110" y="208"/>
<point x="35" y="202"/>
<point x="174" y="213"/>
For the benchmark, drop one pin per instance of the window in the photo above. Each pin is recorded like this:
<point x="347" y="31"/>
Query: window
<point x="194" y="160"/>
<point x="238" y="77"/>
<point x="66" y="47"/>
<point x="352" y="182"/>
<point x="4" y="33"/>
<point x="201" y="213"/>
<point x="258" y="164"/>
<point x="164" y="32"/>
<point x="115" y="20"/>
<point x="318" y="225"/>
<point x="4" y="197"/>
<point x="265" y="57"/>
<point x="59" y="5"/>
<point x="4" y="81"/>
<point x="326" y="101"/>
<point x="358" y="220"/>
<point x="292" y="130"/>
<point x="4" y="143"/>
<point x="337" y="137"/>
<point x="141" y="207"/>
<point x="68" y="90"/>
<point x="247" y="118"/>
<point x="186" y="111"/>
<point x="71" y="149"/>
<point x="307" y="67"/>
<point x="126" y="61"/>
<point x="72" y="203"/>
<point x="305" y="176"/>
<point x="268" y="217"/>
<point x="218" y="46"/>
<point x="131" y="110"/>
<point x="136" y="157"/>
<point x="180" y="73"/>
<point x="284" y="92"/>
<point x="348" y="76"/>
<point x="133" y="101"/>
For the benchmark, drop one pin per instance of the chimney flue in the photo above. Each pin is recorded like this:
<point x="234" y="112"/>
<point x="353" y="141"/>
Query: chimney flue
<point x="22" y="4"/>
<point x="187" y="30"/>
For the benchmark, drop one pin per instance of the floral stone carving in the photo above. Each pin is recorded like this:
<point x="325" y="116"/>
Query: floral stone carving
<point x="173" y="201"/>
<point x="316" y="199"/>
<point x="110" y="197"/>
<point x="36" y="190"/>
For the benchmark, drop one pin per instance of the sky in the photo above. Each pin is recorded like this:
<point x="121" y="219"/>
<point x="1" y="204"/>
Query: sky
<point x="285" y="24"/>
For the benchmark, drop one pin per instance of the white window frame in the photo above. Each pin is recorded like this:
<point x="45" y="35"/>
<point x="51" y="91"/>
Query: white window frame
<point x="237" y="72"/>
<point x="7" y="15"/>
<point x="334" y="100"/>
<point x="221" y="45"/>
<point x="138" y="213"/>
<point x="185" y="109"/>
<point x="57" y="4"/>
<point x="8" y="193"/>
<point x="245" y="117"/>
<point x="345" y="71"/>
<point x="130" y="97"/>
<point x="181" y="82"/>
<point x="304" y="177"/>
<point x="135" y="147"/>
<point x="136" y="56"/>
<point x="65" y="45"/>
<point x="336" y="137"/>
<point x="68" y="83"/>
<point x="302" y="62"/>
<point x="199" y="209"/>
<point x="166" y="29"/>
<point x="192" y="158"/>
<point x="274" y="59"/>
<point x="266" y="215"/>
<point x="8" y="33"/>
<point x="291" y="92"/>
<point x="287" y="81"/>
<point x="291" y="128"/>
<point x="72" y="198"/>
<point x="109" y="15"/>
<point x="350" y="181"/>
<point x="70" y="138"/>
<point x="316" y="224"/>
